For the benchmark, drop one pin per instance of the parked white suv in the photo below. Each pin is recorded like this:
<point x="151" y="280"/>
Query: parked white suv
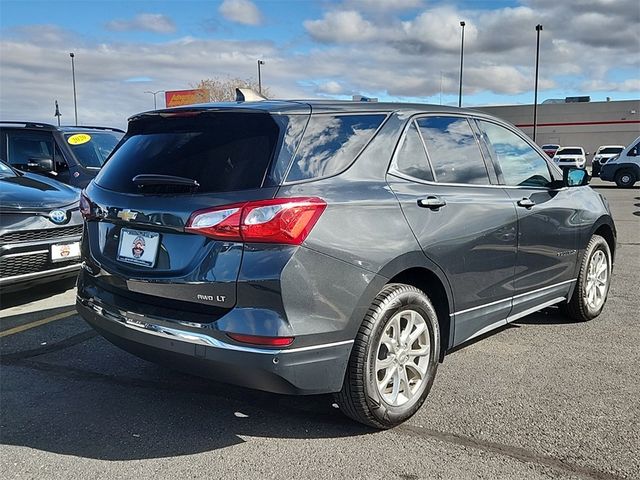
<point x="570" y="157"/>
<point x="604" y="153"/>
<point x="624" y="169"/>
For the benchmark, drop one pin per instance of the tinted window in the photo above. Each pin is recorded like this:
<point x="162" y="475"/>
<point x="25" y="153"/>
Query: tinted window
<point x="412" y="158"/>
<point x="521" y="165"/>
<point x="26" y="146"/>
<point x="453" y="150"/>
<point x="569" y="151"/>
<point x="222" y="151"/>
<point x="94" y="147"/>
<point x="331" y="143"/>
<point x="611" y="150"/>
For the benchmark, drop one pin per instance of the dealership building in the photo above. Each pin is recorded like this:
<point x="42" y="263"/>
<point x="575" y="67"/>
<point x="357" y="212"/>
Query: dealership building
<point x="576" y="122"/>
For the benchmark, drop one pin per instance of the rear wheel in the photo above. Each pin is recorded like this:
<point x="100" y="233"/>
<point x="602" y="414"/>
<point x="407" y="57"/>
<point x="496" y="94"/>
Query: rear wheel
<point x="625" y="178"/>
<point x="592" y="288"/>
<point x="394" y="358"/>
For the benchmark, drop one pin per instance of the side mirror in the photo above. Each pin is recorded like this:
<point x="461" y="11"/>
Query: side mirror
<point x="575" y="177"/>
<point x="633" y="152"/>
<point x="40" y="165"/>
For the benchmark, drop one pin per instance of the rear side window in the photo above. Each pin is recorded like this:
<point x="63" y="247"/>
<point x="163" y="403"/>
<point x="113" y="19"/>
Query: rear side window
<point x="330" y="143"/>
<point x="412" y="158"/>
<point x="521" y="165"/>
<point x="223" y="152"/>
<point x="453" y="150"/>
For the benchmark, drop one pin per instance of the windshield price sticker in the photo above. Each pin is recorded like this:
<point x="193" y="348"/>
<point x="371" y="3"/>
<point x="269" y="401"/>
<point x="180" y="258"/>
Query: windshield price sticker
<point x="78" y="139"/>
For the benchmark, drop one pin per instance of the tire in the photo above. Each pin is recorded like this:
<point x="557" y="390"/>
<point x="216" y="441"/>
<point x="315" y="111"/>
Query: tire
<point x="398" y="310"/>
<point x="581" y="307"/>
<point x="625" y="178"/>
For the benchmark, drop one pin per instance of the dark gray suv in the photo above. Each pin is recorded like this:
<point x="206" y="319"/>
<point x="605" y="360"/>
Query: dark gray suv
<point x="307" y="247"/>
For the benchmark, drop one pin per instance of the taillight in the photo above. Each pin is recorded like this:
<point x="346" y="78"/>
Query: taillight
<point x="279" y="220"/>
<point x="85" y="206"/>
<point x="260" y="340"/>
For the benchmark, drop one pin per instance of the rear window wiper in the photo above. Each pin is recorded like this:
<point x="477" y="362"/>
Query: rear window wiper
<point x="146" y="179"/>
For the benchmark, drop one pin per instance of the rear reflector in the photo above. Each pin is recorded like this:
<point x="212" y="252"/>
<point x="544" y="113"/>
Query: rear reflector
<point x="278" y="220"/>
<point x="262" y="341"/>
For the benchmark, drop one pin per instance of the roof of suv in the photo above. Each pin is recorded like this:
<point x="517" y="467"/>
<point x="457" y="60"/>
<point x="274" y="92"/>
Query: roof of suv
<point x="303" y="106"/>
<point x="50" y="127"/>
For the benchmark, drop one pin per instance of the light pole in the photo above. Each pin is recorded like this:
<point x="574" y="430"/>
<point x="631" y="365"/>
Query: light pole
<point x="260" y="62"/>
<point x="535" y="95"/>
<point x="462" y="24"/>
<point x="154" y="96"/>
<point x="73" y="77"/>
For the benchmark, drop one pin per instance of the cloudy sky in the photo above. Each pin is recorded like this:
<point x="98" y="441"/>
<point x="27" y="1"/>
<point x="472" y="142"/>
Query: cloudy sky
<point x="400" y="50"/>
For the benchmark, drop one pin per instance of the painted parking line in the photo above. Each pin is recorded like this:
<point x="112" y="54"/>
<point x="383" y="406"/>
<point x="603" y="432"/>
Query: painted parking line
<point x="37" y="323"/>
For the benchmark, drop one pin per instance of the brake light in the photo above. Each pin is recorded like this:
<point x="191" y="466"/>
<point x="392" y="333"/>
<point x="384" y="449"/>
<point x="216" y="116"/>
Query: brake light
<point x="260" y="340"/>
<point x="85" y="206"/>
<point x="279" y="220"/>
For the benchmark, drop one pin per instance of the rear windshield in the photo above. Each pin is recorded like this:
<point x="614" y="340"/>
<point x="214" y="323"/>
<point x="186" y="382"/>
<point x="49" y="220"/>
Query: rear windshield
<point x="92" y="149"/>
<point x="223" y="152"/>
<point x="569" y="151"/>
<point x="611" y="150"/>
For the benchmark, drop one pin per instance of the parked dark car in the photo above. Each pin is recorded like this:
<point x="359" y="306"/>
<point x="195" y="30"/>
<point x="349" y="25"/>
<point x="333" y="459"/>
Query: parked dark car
<point x="312" y="247"/>
<point x="40" y="229"/>
<point x="71" y="155"/>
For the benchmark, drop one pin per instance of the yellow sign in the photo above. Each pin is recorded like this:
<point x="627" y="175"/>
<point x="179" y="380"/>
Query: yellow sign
<point x="79" y="139"/>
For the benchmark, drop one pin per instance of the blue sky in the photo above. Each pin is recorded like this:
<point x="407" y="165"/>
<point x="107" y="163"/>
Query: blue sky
<point x="400" y="50"/>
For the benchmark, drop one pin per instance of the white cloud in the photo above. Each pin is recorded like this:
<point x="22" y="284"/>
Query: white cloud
<point x="150" y="22"/>
<point x="341" y="27"/>
<point x="241" y="11"/>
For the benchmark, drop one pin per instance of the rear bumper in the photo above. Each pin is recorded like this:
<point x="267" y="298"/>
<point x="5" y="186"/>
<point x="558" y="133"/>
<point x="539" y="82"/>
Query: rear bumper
<point x="300" y="371"/>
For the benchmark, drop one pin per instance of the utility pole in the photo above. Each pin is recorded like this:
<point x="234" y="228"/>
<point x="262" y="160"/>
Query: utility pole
<point x="57" y="114"/>
<point x="462" y="24"/>
<point x="260" y="62"/>
<point x="73" y="76"/>
<point x="535" y="95"/>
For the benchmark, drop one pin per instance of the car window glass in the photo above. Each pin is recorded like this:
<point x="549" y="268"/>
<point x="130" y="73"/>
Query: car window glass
<point x="453" y="150"/>
<point x="223" y="152"/>
<point x="23" y="147"/>
<point x="412" y="159"/>
<point x="331" y="143"/>
<point x="521" y="165"/>
<point x="94" y="151"/>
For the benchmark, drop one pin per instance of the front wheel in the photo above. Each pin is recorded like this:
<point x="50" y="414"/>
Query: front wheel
<point x="625" y="179"/>
<point x="594" y="279"/>
<point x="394" y="358"/>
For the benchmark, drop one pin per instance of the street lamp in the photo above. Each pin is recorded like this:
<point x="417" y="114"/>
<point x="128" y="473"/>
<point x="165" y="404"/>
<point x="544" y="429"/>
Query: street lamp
<point x="535" y="95"/>
<point x="154" y="96"/>
<point x="57" y="114"/>
<point x="260" y="62"/>
<point x="462" y="24"/>
<point x="73" y="76"/>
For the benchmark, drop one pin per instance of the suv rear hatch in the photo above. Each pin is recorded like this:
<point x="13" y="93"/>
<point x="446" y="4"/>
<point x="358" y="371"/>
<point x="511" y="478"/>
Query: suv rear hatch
<point x="171" y="164"/>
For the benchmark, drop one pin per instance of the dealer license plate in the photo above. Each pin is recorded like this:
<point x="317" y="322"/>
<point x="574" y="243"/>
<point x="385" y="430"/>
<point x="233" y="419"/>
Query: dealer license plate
<point x="138" y="247"/>
<point x="61" y="252"/>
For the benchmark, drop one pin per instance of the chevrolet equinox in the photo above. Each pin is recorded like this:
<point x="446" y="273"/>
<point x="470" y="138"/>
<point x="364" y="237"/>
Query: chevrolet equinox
<point x="306" y="247"/>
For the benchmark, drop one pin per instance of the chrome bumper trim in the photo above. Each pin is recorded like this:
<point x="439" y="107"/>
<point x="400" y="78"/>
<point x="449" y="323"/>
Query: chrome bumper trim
<point x="142" y="324"/>
<point x="42" y="273"/>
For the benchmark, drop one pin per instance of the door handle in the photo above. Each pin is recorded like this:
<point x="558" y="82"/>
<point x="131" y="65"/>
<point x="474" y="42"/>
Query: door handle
<point x="431" y="202"/>
<point x="526" y="202"/>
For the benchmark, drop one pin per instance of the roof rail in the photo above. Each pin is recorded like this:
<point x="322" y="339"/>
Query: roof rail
<point x="94" y="126"/>
<point x="249" y="95"/>
<point x="28" y="124"/>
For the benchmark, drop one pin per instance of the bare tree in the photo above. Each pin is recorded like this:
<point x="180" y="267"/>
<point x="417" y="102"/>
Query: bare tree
<point x="224" y="89"/>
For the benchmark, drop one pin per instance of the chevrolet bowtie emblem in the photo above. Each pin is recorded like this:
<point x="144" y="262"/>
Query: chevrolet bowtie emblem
<point x="127" y="215"/>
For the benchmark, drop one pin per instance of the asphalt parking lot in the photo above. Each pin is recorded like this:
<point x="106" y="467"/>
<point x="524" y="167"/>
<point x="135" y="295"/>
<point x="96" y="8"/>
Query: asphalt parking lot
<point x="541" y="398"/>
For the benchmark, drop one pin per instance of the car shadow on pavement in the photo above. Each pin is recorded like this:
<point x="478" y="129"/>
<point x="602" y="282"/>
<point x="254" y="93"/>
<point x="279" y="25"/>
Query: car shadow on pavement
<point x="92" y="400"/>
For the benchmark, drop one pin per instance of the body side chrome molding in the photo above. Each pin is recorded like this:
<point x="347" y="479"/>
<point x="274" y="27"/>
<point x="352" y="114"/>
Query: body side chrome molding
<point x="514" y="297"/>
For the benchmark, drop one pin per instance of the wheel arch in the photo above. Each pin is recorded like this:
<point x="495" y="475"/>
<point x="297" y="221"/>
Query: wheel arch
<point x="417" y="270"/>
<point x="606" y="229"/>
